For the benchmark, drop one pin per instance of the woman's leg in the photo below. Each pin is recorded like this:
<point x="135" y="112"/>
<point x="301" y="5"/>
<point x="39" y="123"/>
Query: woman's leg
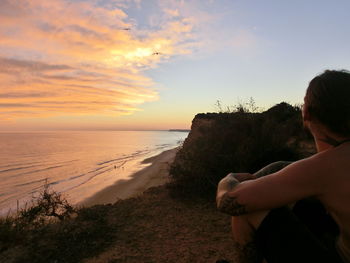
<point x="245" y="226"/>
<point x="243" y="230"/>
<point x="285" y="235"/>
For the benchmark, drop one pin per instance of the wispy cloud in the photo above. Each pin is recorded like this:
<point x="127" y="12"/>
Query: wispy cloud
<point x="81" y="57"/>
<point x="74" y="57"/>
<point x="211" y="24"/>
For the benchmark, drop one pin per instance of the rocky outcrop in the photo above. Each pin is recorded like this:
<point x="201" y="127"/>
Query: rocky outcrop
<point x="240" y="141"/>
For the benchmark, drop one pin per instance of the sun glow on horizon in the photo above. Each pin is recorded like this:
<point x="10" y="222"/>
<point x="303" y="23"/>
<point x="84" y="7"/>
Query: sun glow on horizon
<point x="134" y="64"/>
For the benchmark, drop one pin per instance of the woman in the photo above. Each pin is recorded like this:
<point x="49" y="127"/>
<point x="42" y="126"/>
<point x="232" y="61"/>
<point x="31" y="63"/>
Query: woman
<point x="263" y="223"/>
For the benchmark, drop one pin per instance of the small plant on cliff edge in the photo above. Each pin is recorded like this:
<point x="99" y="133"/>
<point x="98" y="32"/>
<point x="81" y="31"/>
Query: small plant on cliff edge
<point x="242" y="107"/>
<point x="47" y="231"/>
<point x="47" y="206"/>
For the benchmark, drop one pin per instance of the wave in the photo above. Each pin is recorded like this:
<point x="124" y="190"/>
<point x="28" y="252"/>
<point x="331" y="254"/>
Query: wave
<point x="18" y="168"/>
<point x="55" y="165"/>
<point x="31" y="186"/>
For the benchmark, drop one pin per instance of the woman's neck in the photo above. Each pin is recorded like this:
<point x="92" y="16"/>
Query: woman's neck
<point x="321" y="145"/>
<point x="326" y="142"/>
<point x="324" y="138"/>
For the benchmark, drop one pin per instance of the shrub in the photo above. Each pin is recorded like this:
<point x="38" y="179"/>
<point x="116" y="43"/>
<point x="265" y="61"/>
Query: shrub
<point x="49" y="205"/>
<point x="47" y="231"/>
<point x="70" y="240"/>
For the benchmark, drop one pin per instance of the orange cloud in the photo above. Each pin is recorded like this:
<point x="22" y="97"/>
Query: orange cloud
<point x="62" y="57"/>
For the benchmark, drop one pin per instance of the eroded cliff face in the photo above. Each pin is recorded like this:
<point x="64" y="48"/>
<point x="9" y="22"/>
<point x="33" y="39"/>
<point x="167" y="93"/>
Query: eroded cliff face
<point x="200" y="124"/>
<point x="284" y="116"/>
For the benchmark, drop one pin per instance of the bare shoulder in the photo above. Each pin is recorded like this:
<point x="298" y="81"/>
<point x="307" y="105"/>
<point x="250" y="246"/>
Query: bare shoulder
<point x="321" y="164"/>
<point x="318" y="171"/>
<point x="335" y="164"/>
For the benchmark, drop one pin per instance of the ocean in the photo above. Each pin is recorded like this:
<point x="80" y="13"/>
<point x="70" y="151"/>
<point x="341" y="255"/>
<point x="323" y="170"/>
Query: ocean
<point x="77" y="164"/>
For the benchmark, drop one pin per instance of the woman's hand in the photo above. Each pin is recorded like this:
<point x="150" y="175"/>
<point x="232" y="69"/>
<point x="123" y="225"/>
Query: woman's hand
<point x="226" y="185"/>
<point x="244" y="176"/>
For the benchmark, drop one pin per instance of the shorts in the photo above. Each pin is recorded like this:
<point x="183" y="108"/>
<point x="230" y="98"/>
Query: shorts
<point x="305" y="234"/>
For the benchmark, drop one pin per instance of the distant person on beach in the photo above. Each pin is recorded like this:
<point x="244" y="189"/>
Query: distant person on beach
<point x="299" y="212"/>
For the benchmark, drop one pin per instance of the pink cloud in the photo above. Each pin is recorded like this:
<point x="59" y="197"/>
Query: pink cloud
<point x="63" y="57"/>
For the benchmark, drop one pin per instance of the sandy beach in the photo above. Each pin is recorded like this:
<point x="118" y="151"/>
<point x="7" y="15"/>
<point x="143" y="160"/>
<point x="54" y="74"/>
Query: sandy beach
<point x="154" y="175"/>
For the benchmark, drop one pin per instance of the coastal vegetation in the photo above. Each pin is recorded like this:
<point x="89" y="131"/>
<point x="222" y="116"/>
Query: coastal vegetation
<point x="237" y="139"/>
<point x="177" y="222"/>
<point x="51" y="230"/>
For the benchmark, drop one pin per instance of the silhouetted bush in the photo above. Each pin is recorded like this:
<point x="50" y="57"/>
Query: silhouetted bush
<point x="49" y="205"/>
<point x="51" y="230"/>
<point x="234" y="142"/>
<point x="69" y="240"/>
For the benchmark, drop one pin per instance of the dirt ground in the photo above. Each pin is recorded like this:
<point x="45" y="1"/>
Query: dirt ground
<point x="154" y="227"/>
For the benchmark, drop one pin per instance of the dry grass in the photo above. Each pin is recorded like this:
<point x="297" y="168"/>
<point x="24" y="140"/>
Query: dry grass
<point x="150" y="228"/>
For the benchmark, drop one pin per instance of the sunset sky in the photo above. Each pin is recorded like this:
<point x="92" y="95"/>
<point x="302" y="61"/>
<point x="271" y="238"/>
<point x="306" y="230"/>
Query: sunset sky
<point x="154" y="64"/>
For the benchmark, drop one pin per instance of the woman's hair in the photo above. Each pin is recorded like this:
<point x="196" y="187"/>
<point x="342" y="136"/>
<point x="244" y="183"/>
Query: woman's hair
<point x="327" y="99"/>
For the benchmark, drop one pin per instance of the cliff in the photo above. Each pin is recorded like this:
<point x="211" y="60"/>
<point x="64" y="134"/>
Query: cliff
<point x="241" y="141"/>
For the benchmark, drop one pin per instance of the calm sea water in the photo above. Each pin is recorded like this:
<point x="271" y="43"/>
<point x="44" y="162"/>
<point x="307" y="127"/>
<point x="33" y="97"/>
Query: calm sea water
<point x="77" y="164"/>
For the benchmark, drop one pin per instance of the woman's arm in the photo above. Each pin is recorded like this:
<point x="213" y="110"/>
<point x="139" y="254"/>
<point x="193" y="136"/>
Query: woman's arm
<point x="296" y="181"/>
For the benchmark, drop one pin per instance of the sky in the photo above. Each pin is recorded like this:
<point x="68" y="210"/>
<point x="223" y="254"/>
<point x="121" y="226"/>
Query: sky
<point x="155" y="64"/>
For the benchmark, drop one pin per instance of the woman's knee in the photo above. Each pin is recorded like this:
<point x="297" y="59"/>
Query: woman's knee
<point x="255" y="219"/>
<point x="252" y="220"/>
<point x="245" y="226"/>
<point x="272" y="168"/>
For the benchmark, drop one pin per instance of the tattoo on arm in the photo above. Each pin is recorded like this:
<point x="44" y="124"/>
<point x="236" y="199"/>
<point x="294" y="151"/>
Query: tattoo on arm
<point x="229" y="205"/>
<point x="232" y="182"/>
<point x="228" y="183"/>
